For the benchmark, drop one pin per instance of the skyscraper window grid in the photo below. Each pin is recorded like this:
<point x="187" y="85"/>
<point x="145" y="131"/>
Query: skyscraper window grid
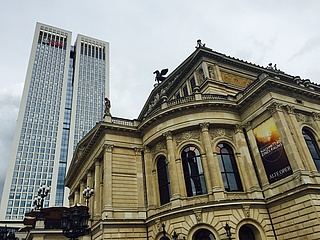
<point x="38" y="136"/>
<point x="55" y="97"/>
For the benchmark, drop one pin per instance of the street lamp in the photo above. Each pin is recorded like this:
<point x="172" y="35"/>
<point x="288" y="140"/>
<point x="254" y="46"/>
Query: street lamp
<point x="43" y="191"/>
<point x="164" y="237"/>
<point x="228" y="231"/>
<point x="87" y="194"/>
<point x="75" y="222"/>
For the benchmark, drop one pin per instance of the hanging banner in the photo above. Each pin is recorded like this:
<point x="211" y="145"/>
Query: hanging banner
<point x="274" y="157"/>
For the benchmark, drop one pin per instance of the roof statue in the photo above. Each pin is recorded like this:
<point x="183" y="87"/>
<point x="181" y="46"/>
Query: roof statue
<point x="200" y="44"/>
<point x="160" y="75"/>
<point x="107" y="106"/>
<point x="273" y="68"/>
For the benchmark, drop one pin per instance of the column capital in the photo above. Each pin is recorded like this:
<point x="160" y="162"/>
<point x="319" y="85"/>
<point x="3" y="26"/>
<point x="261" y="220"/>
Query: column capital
<point x="108" y="147"/>
<point x="97" y="162"/>
<point x="168" y="135"/>
<point x="290" y="109"/>
<point x="316" y="116"/>
<point x="238" y="128"/>
<point x="274" y="107"/>
<point x="146" y="149"/>
<point x="138" y="151"/>
<point x="204" y="126"/>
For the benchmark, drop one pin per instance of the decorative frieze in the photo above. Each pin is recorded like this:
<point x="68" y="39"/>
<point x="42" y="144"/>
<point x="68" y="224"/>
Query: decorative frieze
<point x="221" y="133"/>
<point x="302" y="118"/>
<point x="185" y="136"/>
<point x="235" y="80"/>
<point x="159" y="146"/>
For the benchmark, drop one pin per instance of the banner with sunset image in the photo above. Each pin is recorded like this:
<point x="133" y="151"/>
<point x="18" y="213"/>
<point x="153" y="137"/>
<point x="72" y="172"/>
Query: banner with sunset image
<point x="272" y="152"/>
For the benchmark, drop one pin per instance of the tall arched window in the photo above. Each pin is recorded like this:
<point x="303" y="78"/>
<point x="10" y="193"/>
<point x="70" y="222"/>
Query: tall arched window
<point x="193" y="171"/>
<point x="228" y="167"/>
<point x="312" y="146"/>
<point x="163" y="180"/>
<point x="203" y="234"/>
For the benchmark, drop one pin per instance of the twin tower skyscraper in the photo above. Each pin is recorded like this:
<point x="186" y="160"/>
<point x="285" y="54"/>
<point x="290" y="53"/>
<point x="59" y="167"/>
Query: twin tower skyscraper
<point x="63" y="98"/>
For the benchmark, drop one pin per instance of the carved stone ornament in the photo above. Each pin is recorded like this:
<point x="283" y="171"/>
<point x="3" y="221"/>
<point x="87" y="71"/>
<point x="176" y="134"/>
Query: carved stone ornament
<point x="108" y="147"/>
<point x="235" y="80"/>
<point x="290" y="109"/>
<point x="201" y="76"/>
<point x="198" y="214"/>
<point x="246" y="210"/>
<point x="238" y="128"/>
<point x="274" y="107"/>
<point x="303" y="118"/>
<point x="168" y="135"/>
<point x="316" y="116"/>
<point x="159" y="146"/>
<point x="221" y="132"/>
<point x="137" y="151"/>
<point x="211" y="71"/>
<point x="189" y="135"/>
<point x="204" y="126"/>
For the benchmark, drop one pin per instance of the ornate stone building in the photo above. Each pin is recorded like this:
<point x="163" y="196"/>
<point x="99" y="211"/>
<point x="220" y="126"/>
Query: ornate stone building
<point x="219" y="142"/>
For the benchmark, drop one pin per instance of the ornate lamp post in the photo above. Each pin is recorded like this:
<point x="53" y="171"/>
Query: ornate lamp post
<point x="43" y="191"/>
<point x="228" y="228"/>
<point x="75" y="222"/>
<point x="87" y="194"/>
<point x="164" y="237"/>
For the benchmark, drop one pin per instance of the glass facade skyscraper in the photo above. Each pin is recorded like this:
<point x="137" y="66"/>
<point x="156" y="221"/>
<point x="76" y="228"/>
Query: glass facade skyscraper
<point x="62" y="100"/>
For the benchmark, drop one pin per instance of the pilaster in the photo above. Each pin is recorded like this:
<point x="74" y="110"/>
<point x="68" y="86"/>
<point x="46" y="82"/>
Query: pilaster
<point x="286" y="136"/>
<point x="107" y="181"/>
<point x="97" y="195"/>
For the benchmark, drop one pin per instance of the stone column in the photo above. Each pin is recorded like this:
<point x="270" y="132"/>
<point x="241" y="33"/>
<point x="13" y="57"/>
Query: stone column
<point x="244" y="162"/>
<point x="296" y="131"/>
<point x="97" y="195"/>
<point x="256" y="155"/>
<point x="217" y="186"/>
<point x="71" y="200"/>
<point x="174" y="181"/>
<point x="82" y="186"/>
<point x="208" y="156"/>
<point x="107" y="181"/>
<point x="90" y="185"/>
<point x="76" y="196"/>
<point x="286" y="136"/>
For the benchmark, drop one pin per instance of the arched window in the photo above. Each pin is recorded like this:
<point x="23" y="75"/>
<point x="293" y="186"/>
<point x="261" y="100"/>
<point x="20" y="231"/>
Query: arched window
<point x="203" y="234"/>
<point x="245" y="233"/>
<point x="163" y="180"/>
<point x="193" y="171"/>
<point x="312" y="146"/>
<point x="228" y="167"/>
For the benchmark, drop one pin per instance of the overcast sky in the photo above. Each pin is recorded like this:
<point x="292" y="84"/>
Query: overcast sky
<point x="146" y="35"/>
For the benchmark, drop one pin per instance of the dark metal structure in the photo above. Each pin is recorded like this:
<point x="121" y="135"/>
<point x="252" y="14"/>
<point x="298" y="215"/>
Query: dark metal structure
<point x="74" y="223"/>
